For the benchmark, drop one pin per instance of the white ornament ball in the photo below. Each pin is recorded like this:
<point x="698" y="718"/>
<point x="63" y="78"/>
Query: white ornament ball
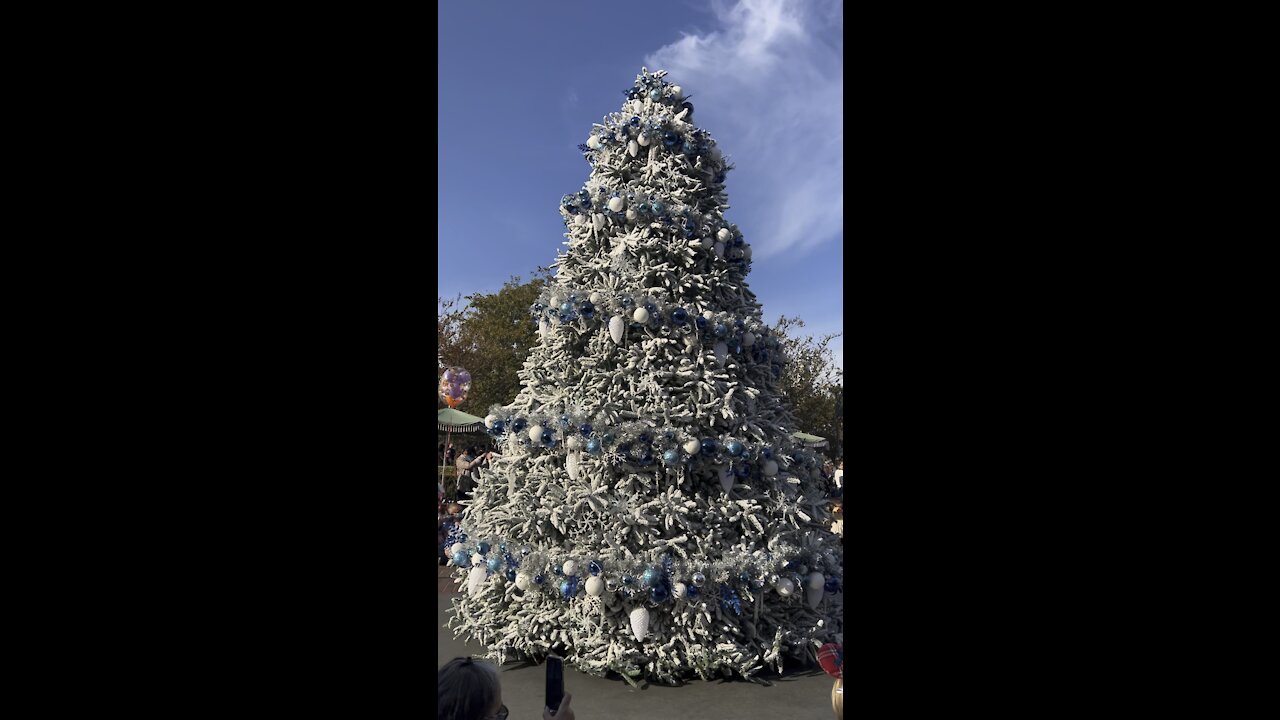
<point x="707" y="241"/>
<point x="631" y="215"/>
<point x="523" y="581"/>
<point x="643" y="140"/>
<point x="579" y="219"/>
<point x="556" y="301"/>
<point x="724" y="235"/>
<point x="570" y="567"/>
<point x="785" y="587"/>
<point x="615" y="204"/>
<point x="676" y="89"/>
<point x="816" y="581"/>
<point x="640" y="623"/>
<point x="478" y="559"/>
<point x="692" y="447"/>
<point x="679" y="590"/>
<point x="641" y="315"/>
<point x="574" y="442"/>
<point x="595" y="586"/>
<point x="535" y="433"/>
<point x="596" y="298"/>
<point x="748" y="339"/>
<point x="593" y="142"/>
<point x="489" y="420"/>
<point x="746" y="251"/>
<point x="770" y="468"/>
<point x="455" y="549"/>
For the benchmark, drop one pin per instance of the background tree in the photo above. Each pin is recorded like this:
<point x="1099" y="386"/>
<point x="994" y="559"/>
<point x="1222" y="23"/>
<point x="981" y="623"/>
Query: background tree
<point x="813" y="385"/>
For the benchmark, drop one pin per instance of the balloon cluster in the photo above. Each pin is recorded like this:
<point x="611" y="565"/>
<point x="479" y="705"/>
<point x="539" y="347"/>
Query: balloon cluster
<point x="455" y="383"/>
<point x="656" y="581"/>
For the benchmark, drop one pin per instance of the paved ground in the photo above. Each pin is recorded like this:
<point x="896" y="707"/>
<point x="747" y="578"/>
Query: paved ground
<point x="802" y="696"/>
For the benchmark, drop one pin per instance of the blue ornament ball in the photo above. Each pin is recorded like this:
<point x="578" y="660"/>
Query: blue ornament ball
<point x="655" y="94"/>
<point x="511" y="575"/>
<point x="679" y="316"/>
<point x="593" y="446"/>
<point x="566" y="308"/>
<point x="566" y="589"/>
<point x="495" y="564"/>
<point x="519" y="424"/>
<point x="538" y="579"/>
<point x="832" y="585"/>
<point x="628" y="580"/>
<point x="692" y="591"/>
<point x="609" y="439"/>
<point x="650" y="577"/>
<point x="658" y="594"/>
<point x="671" y="457"/>
<point x="735" y="448"/>
<point x="670" y="139"/>
<point x="585" y="429"/>
<point x="460" y="559"/>
<point x="721" y="330"/>
<point x="698" y="579"/>
<point x="701" y="322"/>
<point x="709" y="446"/>
<point x="627" y="301"/>
<point x="564" y="421"/>
<point x="594" y="568"/>
<point x="587" y="309"/>
<point x="557" y="570"/>
<point x="744" y="578"/>
<point x="483" y="547"/>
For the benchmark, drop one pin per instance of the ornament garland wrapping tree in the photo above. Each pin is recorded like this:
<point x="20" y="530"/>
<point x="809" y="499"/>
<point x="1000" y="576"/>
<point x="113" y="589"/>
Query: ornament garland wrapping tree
<point x="650" y="514"/>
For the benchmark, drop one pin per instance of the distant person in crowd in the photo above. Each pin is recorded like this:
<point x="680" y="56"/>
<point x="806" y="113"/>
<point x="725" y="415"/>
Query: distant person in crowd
<point x="839" y="475"/>
<point x="828" y="470"/>
<point x="447" y="521"/>
<point x="450" y="454"/>
<point x="467" y="465"/>
<point x="470" y="690"/>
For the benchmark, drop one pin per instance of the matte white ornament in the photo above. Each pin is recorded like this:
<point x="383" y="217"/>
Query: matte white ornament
<point x="634" y="106"/>
<point x="722" y="352"/>
<point x="631" y="215"/>
<point x="543" y="327"/>
<point x="633" y="147"/>
<point x="596" y="298"/>
<point x="556" y="301"/>
<point x="571" y="464"/>
<point x="726" y="479"/>
<point x="724" y="235"/>
<point x="475" y="579"/>
<point x="489" y="420"/>
<point x="816" y="580"/>
<point x="523" y="581"/>
<point x="719" y="247"/>
<point x="616" y="326"/>
<point x="574" y="442"/>
<point x="641" y="315"/>
<point x="746" y="251"/>
<point x="457" y="548"/>
<point x="579" y="219"/>
<point x="643" y="140"/>
<point x="570" y="567"/>
<point x="692" y="447"/>
<point x="640" y="623"/>
<point x="615" y="204"/>
<point x="748" y="339"/>
<point x="708" y="314"/>
<point x="595" y="586"/>
<point x="676" y="89"/>
<point x="707" y="241"/>
<point x="478" y="559"/>
<point x="785" y="587"/>
<point x="535" y="433"/>
<point x="597" y="221"/>
<point x="593" y="142"/>
<point x="813" y="596"/>
<point x="679" y="590"/>
<point x="770" y="468"/>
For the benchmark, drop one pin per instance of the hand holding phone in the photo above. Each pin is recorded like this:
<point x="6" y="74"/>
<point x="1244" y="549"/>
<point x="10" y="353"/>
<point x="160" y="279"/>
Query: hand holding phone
<point x="555" y="683"/>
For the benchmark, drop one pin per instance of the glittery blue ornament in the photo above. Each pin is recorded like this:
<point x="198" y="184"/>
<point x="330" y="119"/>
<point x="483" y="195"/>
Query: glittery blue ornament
<point x="670" y="139"/>
<point x="548" y="437"/>
<point x="651" y="308"/>
<point x="538" y="579"/>
<point x="587" y="309"/>
<point x="626" y="301"/>
<point x="655" y="94"/>
<point x="498" y="428"/>
<point x="483" y="547"/>
<point x="721" y="329"/>
<point x="650" y="577"/>
<point x="609" y="439"/>
<point x="658" y="207"/>
<point x="585" y="429"/>
<point x="701" y="322"/>
<point x="686" y="148"/>
<point x="511" y="575"/>
<point x="593" y="446"/>
<point x="766" y="453"/>
<point x="735" y="448"/>
<point x="671" y="457"/>
<point x="628" y="580"/>
<point x="566" y="308"/>
<point x="658" y="594"/>
<point x="495" y="564"/>
<point x="564" y="421"/>
<point x="594" y="568"/>
<point x="557" y="570"/>
<point x="460" y="559"/>
<point x="709" y="446"/>
<point x="832" y="585"/>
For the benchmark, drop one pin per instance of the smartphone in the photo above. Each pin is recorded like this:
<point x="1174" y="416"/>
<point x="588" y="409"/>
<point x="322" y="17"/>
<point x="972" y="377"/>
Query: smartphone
<point x="555" y="682"/>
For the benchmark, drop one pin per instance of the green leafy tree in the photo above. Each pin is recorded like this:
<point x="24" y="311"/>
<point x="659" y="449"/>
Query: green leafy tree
<point x="812" y="385"/>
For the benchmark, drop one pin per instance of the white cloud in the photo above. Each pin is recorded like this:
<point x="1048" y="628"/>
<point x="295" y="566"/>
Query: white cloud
<point x="768" y="84"/>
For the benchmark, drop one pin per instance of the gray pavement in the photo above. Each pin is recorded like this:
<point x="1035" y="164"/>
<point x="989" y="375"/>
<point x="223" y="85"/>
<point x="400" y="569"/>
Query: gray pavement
<point x="804" y="695"/>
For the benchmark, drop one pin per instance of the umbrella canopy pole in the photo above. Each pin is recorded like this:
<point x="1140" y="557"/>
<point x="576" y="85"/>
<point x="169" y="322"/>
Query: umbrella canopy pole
<point x="445" y="459"/>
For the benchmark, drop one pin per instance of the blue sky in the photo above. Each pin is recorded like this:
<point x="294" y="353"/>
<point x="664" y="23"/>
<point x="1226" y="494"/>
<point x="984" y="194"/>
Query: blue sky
<point x="522" y="82"/>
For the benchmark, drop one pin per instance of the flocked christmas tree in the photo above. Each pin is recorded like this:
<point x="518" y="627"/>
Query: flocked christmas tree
<point x="650" y="513"/>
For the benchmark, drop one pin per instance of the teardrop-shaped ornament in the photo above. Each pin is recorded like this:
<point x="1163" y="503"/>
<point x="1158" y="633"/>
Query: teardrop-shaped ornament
<point x="719" y="248"/>
<point x="726" y="479"/>
<point x="616" y="327"/>
<point x="571" y="464"/>
<point x="633" y="147"/>
<point x="597" y="221"/>
<point x="640" y="623"/>
<point x="475" y="578"/>
<point x="643" y="139"/>
<point x="722" y="352"/>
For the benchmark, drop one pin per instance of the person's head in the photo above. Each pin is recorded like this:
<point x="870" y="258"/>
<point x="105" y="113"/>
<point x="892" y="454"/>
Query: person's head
<point x="471" y="450"/>
<point x="454" y="509"/>
<point x="469" y="690"/>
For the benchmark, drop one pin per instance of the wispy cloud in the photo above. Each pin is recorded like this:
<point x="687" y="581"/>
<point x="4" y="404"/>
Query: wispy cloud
<point x="767" y="82"/>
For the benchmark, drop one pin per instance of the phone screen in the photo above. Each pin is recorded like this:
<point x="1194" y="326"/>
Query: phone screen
<point x="555" y="682"/>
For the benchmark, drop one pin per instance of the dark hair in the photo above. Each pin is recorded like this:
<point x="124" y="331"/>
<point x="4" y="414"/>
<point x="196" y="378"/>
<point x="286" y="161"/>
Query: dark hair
<point x="466" y="689"/>
<point x="471" y="449"/>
